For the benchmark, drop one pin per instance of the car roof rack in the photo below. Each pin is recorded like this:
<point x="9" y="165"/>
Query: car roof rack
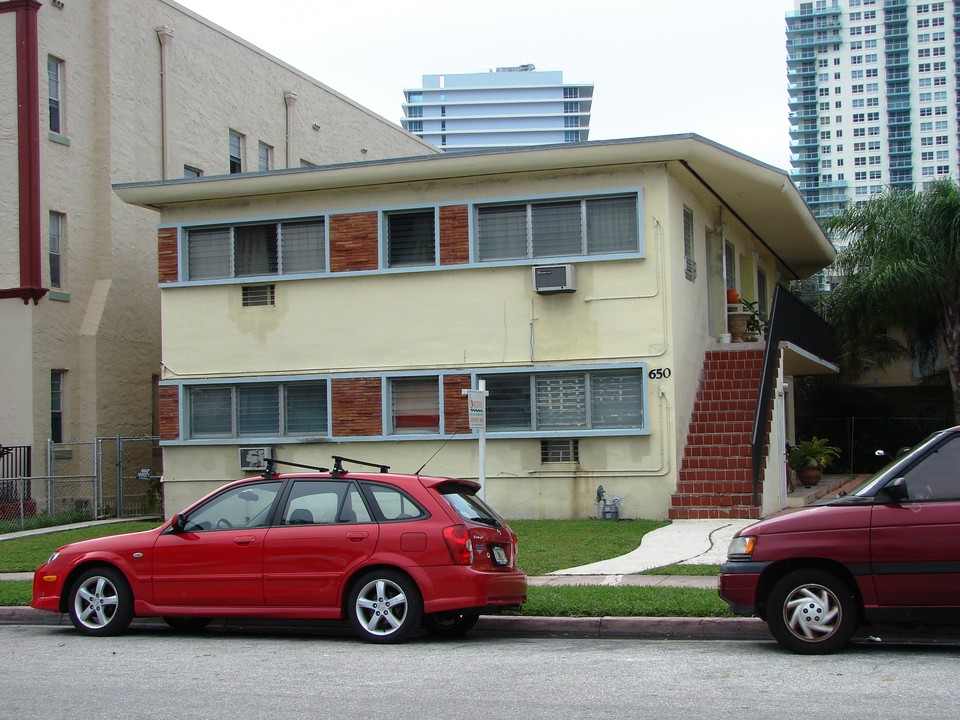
<point x="337" y="471"/>
<point x="339" y="459"/>
<point x="272" y="463"/>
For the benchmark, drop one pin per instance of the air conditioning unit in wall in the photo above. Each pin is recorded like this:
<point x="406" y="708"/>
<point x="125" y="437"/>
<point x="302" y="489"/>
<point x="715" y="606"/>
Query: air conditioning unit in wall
<point x="252" y="458"/>
<point x="549" y="279"/>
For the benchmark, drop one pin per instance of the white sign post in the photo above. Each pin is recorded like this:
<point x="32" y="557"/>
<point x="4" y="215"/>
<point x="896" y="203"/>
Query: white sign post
<point x="477" y="412"/>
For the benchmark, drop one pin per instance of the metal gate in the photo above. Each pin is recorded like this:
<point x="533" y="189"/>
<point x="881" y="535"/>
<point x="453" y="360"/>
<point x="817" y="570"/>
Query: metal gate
<point x="103" y="478"/>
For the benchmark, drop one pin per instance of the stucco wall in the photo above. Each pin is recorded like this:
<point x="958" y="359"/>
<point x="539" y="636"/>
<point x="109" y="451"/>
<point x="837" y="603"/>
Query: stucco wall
<point x="103" y="326"/>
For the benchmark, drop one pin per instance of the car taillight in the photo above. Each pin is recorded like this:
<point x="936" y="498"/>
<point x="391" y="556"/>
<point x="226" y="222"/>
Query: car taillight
<point x="459" y="544"/>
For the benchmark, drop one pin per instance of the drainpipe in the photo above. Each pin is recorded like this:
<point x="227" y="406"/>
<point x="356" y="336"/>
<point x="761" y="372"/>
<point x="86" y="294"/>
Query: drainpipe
<point x="289" y="99"/>
<point x="164" y="35"/>
<point x="28" y="149"/>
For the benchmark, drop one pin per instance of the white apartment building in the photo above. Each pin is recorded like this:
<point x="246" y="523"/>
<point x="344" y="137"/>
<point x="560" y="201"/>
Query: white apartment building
<point x="873" y="97"/>
<point x="506" y="107"/>
<point x="96" y="93"/>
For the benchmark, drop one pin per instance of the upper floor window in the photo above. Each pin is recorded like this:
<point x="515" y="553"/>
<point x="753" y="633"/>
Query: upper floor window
<point x="264" y="157"/>
<point x="589" y="226"/>
<point x="247" y="250"/>
<point x="55" y="249"/>
<point x="411" y="238"/>
<point x="236" y="152"/>
<point x="55" y="93"/>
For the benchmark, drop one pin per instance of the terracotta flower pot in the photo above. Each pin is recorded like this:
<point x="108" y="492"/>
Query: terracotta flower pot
<point x="733" y="297"/>
<point x="809" y="476"/>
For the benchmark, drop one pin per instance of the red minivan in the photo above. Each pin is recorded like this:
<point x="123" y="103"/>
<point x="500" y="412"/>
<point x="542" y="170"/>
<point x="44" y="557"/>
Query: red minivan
<point x="888" y="552"/>
<point x="388" y="553"/>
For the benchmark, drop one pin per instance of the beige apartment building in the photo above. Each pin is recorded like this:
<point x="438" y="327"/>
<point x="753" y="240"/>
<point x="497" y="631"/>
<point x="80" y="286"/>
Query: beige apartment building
<point x="345" y="310"/>
<point x="99" y="92"/>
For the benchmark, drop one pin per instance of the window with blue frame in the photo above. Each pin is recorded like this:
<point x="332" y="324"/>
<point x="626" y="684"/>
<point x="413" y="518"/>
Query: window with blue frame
<point x="257" y="410"/>
<point x="558" y="228"/>
<point x="278" y="248"/>
<point x="566" y="400"/>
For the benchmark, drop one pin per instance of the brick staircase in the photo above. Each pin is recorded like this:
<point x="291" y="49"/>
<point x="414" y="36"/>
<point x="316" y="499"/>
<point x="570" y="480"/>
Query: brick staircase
<point x="716" y="475"/>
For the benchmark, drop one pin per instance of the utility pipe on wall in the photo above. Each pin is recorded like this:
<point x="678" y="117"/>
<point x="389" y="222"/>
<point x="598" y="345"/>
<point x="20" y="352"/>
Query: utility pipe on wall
<point x="164" y="35"/>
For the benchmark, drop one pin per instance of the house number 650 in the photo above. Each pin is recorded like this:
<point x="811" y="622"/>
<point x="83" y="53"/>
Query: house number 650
<point x="659" y="373"/>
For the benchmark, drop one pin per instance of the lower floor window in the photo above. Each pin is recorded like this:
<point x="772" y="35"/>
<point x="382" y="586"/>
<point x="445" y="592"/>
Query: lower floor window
<point x="258" y="409"/>
<point x="415" y="405"/>
<point x="597" y="399"/>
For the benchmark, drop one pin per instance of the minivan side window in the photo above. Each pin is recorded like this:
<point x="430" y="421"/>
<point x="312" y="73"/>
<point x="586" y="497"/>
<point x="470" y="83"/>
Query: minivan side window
<point x="935" y="476"/>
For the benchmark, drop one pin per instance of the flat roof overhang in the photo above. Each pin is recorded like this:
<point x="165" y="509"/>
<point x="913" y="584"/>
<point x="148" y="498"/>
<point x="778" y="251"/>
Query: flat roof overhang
<point x="762" y="197"/>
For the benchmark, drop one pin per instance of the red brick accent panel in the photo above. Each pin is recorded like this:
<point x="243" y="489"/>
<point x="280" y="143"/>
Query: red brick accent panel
<point x="357" y="407"/>
<point x="169" y="402"/>
<point x="167" y="254"/>
<point x="353" y="242"/>
<point x="454" y="235"/>
<point x="455" y="417"/>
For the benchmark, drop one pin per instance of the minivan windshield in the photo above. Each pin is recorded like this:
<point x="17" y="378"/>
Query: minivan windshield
<point x="868" y="486"/>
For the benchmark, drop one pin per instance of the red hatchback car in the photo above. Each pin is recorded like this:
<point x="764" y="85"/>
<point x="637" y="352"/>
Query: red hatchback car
<point x="888" y="552"/>
<point x="389" y="553"/>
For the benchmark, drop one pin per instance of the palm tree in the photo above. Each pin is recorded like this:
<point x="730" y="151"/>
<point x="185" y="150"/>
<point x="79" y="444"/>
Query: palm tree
<point x="902" y="269"/>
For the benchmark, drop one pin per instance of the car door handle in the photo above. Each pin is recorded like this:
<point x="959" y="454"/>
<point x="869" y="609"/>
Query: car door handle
<point x="244" y="540"/>
<point x="357" y="535"/>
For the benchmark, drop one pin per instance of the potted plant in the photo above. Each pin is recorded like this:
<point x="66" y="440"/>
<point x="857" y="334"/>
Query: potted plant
<point x="809" y="458"/>
<point x="756" y="322"/>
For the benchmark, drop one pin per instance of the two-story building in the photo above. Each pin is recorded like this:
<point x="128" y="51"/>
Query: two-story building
<point x="344" y="309"/>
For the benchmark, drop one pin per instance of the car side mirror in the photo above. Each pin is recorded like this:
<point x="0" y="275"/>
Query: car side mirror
<point x="894" y="491"/>
<point x="179" y="523"/>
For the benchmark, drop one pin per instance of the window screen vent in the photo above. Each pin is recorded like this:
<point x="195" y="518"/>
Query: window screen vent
<point x="259" y="295"/>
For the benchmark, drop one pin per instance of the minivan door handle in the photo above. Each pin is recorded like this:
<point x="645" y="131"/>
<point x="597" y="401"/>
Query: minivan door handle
<point x="357" y="535"/>
<point x="245" y="540"/>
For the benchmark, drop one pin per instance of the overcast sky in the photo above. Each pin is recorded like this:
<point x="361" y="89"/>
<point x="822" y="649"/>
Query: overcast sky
<point x="658" y="66"/>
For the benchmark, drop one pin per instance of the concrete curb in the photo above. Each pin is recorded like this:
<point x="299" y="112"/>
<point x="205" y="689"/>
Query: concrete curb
<point x="510" y="626"/>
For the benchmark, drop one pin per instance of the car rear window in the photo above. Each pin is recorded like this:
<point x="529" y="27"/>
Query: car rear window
<point x="470" y="507"/>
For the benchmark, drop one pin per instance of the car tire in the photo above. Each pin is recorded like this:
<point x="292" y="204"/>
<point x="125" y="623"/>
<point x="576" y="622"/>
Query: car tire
<point x="450" y="624"/>
<point x="384" y="606"/>
<point x="187" y="624"/>
<point x="100" y="602"/>
<point x="812" y="612"/>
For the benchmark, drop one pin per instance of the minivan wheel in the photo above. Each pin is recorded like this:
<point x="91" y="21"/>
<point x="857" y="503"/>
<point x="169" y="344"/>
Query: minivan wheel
<point x="812" y="612"/>
<point x="385" y="606"/>
<point x="450" y="624"/>
<point x="100" y="602"/>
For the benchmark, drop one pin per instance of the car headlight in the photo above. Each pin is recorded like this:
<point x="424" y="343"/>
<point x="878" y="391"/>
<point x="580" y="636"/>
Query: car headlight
<point x="53" y="556"/>
<point x="742" y="547"/>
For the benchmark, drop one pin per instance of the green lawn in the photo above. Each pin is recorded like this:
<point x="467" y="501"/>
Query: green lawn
<point x="550" y="545"/>
<point x="26" y="554"/>
<point x="545" y="546"/>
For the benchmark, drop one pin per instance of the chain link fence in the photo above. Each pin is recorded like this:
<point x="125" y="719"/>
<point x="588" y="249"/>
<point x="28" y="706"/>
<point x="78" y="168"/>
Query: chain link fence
<point x="87" y="480"/>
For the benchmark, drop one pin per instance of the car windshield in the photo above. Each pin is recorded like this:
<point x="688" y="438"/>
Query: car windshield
<point x="471" y="508"/>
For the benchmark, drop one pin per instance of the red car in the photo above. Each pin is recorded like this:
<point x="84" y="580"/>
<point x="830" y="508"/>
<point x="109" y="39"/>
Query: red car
<point x="389" y="553"/>
<point x="889" y="552"/>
